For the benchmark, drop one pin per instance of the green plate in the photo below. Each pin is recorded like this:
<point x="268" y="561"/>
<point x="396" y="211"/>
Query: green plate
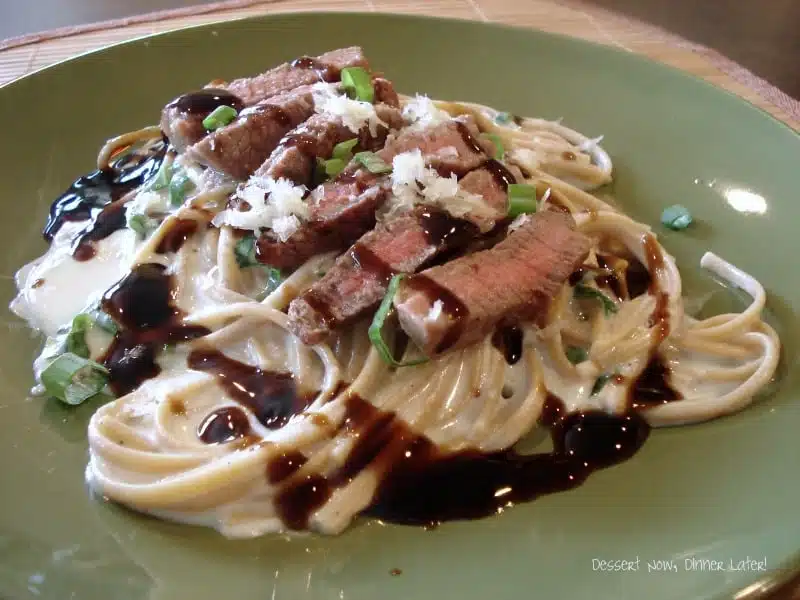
<point x="720" y="491"/>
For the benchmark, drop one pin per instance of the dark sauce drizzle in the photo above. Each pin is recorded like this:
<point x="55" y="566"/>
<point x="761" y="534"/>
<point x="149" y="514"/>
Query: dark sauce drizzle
<point x="176" y="235"/>
<point x="323" y="71"/>
<point x="284" y="466"/>
<point x="224" y="425"/>
<point x="202" y="102"/>
<point x="443" y="230"/>
<point x="272" y="397"/>
<point x="420" y="485"/>
<point x="276" y="113"/>
<point x="652" y="387"/>
<point x="502" y="176"/>
<point x="468" y="138"/>
<point x="95" y="197"/>
<point x="508" y="341"/>
<point x="141" y="304"/>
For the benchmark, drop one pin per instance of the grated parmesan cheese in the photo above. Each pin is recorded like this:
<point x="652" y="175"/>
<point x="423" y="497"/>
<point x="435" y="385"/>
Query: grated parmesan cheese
<point x="422" y="112"/>
<point x="148" y="203"/>
<point x="354" y="113"/>
<point x="435" y="312"/>
<point x="519" y="221"/>
<point x="414" y="183"/>
<point x="274" y="204"/>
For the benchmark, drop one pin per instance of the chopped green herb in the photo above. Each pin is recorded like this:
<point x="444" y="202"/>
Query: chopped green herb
<point x="163" y="176"/>
<point x="376" y="328"/>
<point x="676" y="217"/>
<point x="141" y="224"/>
<point x="373" y="162"/>
<point x="586" y="291"/>
<point x="503" y="118"/>
<point x="499" y="150"/>
<point x="74" y="379"/>
<point x="274" y="279"/>
<point x="344" y="150"/>
<point x="334" y="166"/>
<point x="245" y="251"/>
<point x="76" y="338"/>
<point x="219" y="117"/>
<point x="358" y="84"/>
<point x="576" y="354"/>
<point x="601" y="382"/>
<point x="521" y="199"/>
<point x="102" y="320"/>
<point x="178" y="186"/>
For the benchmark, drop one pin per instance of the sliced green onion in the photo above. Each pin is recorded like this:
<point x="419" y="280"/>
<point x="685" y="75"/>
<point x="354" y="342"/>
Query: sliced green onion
<point x="358" y="84"/>
<point x="373" y="162"/>
<point x="163" y="176"/>
<point x="521" y="199"/>
<point x="141" y="224"/>
<point x="344" y="150"/>
<point x="76" y="338"/>
<point x="334" y="166"/>
<point x="103" y="321"/>
<point x="219" y="117"/>
<point x="499" y="150"/>
<point x="178" y="186"/>
<point x="601" y="382"/>
<point x="586" y="291"/>
<point x="676" y="217"/>
<point x="245" y="251"/>
<point x="73" y="379"/>
<point x="376" y="328"/>
<point x="576" y="354"/>
<point x="274" y="279"/>
<point x="503" y="118"/>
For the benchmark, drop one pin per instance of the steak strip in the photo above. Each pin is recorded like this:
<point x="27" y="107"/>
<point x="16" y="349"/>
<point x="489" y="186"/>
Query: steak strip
<point x="459" y="303"/>
<point x="347" y="205"/>
<point x="182" y="119"/>
<point x="297" y="153"/>
<point x="358" y="280"/>
<point x="241" y="146"/>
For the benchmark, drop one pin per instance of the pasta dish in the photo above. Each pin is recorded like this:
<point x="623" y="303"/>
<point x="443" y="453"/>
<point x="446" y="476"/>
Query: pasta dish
<point x="303" y="297"/>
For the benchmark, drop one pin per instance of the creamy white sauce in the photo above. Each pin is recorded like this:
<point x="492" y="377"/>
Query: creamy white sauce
<point x="56" y="287"/>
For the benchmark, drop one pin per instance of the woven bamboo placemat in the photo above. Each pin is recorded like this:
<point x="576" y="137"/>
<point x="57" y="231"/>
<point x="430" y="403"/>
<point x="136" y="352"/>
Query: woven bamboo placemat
<point x="22" y="55"/>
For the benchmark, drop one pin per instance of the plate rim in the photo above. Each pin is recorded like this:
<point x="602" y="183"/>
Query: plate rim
<point x="761" y="588"/>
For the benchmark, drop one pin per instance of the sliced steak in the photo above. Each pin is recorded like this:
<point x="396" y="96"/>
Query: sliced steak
<point x="450" y="147"/>
<point x="460" y="302"/>
<point x="358" y="280"/>
<point x="345" y="211"/>
<point x="385" y="93"/>
<point x="347" y="206"/>
<point x="240" y="147"/>
<point x="182" y="119"/>
<point x="297" y="154"/>
<point x="305" y="70"/>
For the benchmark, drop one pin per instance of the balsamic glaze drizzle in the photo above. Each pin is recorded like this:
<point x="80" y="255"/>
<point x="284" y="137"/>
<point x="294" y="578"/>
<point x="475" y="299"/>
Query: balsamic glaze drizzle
<point x="273" y="397"/>
<point x="95" y="197"/>
<point x="141" y="304"/>
<point x="204" y="101"/>
<point x="508" y="340"/>
<point x="421" y="485"/>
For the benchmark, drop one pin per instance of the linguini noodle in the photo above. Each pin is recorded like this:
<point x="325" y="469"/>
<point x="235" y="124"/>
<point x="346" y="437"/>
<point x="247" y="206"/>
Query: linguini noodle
<point x="145" y="449"/>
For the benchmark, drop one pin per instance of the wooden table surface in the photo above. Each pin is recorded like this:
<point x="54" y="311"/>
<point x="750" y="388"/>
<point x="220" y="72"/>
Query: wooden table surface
<point x="761" y="35"/>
